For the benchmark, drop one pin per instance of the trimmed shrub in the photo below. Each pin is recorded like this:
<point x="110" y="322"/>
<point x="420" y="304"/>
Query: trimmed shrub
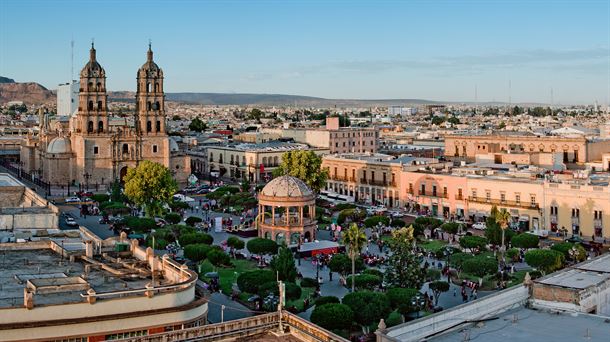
<point x="197" y="252"/>
<point x="192" y="220"/>
<point x="374" y="220"/>
<point x="364" y="281"/>
<point x="373" y="271"/>
<point x="473" y="242"/>
<point x="262" y="246"/>
<point x="394" y="318"/>
<point x="218" y="257"/>
<point x="368" y="307"/>
<point x="173" y="218"/>
<point x="480" y="266"/>
<point x="398" y="223"/>
<point x="547" y="260"/>
<point x="343" y="206"/>
<point x="333" y="316"/>
<point x="251" y="281"/>
<point x="100" y="198"/>
<point x="235" y="243"/>
<point x="458" y="259"/>
<point x="309" y="282"/>
<point x="195" y="238"/>
<point x="400" y="299"/>
<point x="327" y="300"/>
<point x="525" y="240"/>
<point x="451" y="227"/>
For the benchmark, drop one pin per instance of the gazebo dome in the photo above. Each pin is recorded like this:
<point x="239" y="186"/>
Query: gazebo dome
<point x="287" y="186"/>
<point x="59" y="145"/>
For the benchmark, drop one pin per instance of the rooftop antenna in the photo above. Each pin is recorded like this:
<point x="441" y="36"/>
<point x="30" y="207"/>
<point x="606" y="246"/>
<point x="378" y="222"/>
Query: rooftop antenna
<point x="72" y="59"/>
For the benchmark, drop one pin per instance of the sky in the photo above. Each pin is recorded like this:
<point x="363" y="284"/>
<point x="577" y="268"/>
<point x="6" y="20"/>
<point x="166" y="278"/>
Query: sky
<point x="452" y="50"/>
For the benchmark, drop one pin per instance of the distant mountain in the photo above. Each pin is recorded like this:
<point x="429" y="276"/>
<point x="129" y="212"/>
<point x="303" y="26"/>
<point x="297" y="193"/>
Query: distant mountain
<point x="28" y="92"/>
<point x="283" y="100"/>
<point x="6" y="80"/>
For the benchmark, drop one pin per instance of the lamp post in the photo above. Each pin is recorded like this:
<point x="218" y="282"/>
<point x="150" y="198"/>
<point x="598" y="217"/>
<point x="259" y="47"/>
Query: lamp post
<point x="418" y="302"/>
<point x="86" y="175"/>
<point x="448" y="250"/>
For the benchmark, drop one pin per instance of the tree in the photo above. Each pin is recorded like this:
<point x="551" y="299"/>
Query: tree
<point x="251" y="281"/>
<point x="197" y="252"/>
<point x="480" y="266"/>
<point x="235" y="243"/>
<point x="150" y="185"/>
<point x="115" y="192"/>
<point x="305" y="165"/>
<point x="368" y="307"/>
<point x="474" y="243"/>
<point x="375" y="220"/>
<point x="493" y="232"/>
<point x="283" y="265"/>
<point x="571" y="251"/>
<point x="437" y="288"/>
<point x="192" y="220"/>
<point x="525" y="240"/>
<point x="400" y="299"/>
<point x="245" y="185"/>
<point x="437" y="120"/>
<point x="218" y="258"/>
<point x="261" y="246"/>
<point x="341" y="263"/>
<point x="333" y="316"/>
<point x="451" y="227"/>
<point x="503" y="218"/>
<point x="354" y="238"/>
<point x="364" y="281"/>
<point x="404" y="268"/>
<point x="173" y="218"/>
<point x="197" y="125"/>
<point x="195" y="238"/>
<point x="547" y="260"/>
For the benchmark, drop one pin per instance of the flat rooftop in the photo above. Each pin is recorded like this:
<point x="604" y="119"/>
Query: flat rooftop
<point x="526" y="325"/>
<point x="575" y="279"/>
<point x="44" y="266"/>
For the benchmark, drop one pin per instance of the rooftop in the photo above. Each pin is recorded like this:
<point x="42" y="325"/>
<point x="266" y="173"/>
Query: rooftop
<point x="524" y="325"/>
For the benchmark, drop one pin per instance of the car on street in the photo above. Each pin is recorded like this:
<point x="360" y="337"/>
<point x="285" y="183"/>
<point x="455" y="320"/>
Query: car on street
<point x="575" y="239"/>
<point x="479" y="226"/>
<point x="71" y="222"/>
<point x="73" y="199"/>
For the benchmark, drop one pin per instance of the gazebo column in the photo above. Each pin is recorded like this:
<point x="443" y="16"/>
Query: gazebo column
<point x="287" y="216"/>
<point x="301" y="215"/>
<point x="273" y="215"/>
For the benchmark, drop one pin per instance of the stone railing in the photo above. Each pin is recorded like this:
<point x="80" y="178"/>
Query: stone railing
<point x="482" y="308"/>
<point x="241" y="328"/>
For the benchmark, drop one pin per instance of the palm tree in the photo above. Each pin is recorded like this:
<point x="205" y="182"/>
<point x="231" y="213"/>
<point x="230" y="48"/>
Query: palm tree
<point x="502" y="219"/>
<point x="355" y="239"/>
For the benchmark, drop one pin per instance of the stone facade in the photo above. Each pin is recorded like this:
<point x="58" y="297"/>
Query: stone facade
<point x="95" y="148"/>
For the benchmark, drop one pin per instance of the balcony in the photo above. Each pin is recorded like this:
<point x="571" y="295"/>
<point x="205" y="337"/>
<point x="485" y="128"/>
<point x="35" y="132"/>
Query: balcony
<point x="339" y="178"/>
<point x="432" y="194"/>
<point x="377" y="182"/>
<point x="507" y="203"/>
<point x="459" y="197"/>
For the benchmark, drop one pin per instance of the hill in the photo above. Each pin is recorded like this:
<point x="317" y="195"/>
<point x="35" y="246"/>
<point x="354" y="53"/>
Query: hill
<point x="28" y="92"/>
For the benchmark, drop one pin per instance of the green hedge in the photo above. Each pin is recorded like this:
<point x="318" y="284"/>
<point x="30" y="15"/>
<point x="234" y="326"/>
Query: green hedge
<point x="251" y="281"/>
<point x="195" y="238"/>
<point x="197" y="252"/>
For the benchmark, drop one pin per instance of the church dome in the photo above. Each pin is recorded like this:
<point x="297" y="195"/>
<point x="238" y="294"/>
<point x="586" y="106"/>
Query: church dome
<point x="286" y="186"/>
<point x="150" y="68"/>
<point x="59" y="145"/>
<point x="173" y="145"/>
<point x="92" y="68"/>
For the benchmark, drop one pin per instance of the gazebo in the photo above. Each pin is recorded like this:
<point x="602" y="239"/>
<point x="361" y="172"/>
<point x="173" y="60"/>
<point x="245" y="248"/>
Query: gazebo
<point x="287" y="211"/>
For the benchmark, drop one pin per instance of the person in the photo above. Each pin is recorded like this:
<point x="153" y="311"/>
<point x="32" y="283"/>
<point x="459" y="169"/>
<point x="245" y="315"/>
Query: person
<point x="330" y="275"/>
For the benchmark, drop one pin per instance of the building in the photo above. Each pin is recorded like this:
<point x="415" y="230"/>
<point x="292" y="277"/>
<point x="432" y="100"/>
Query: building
<point x="67" y="98"/>
<point x="287" y="211"/>
<point x="94" y="290"/>
<point x="574" y="150"/>
<point x="254" y="162"/>
<point x="571" y="305"/>
<point x="22" y="209"/>
<point x="95" y="148"/>
<point x="401" y="110"/>
<point x="336" y="139"/>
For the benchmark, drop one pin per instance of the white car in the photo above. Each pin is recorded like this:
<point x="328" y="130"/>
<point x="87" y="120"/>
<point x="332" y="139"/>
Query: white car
<point x="479" y="226"/>
<point x="72" y="200"/>
<point x="71" y="222"/>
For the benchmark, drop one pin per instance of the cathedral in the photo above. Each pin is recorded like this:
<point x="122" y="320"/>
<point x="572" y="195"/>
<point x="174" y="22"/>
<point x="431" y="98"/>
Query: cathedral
<point x="93" y="147"/>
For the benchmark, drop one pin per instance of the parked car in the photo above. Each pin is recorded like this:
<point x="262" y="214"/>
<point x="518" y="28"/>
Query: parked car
<point x="71" y="222"/>
<point x="479" y="226"/>
<point x="73" y="199"/>
<point x="575" y="239"/>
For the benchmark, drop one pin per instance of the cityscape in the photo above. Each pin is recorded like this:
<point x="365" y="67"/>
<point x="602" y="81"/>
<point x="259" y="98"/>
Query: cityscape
<point x="387" y="171"/>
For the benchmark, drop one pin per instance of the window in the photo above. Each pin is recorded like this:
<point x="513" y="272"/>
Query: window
<point x="353" y="174"/>
<point x="148" y="126"/>
<point x="444" y="191"/>
<point x="364" y="175"/>
<point x="597" y="214"/>
<point x="158" y="126"/>
<point x="533" y="200"/>
<point x="100" y="127"/>
<point x="488" y="195"/>
<point x="211" y="157"/>
<point x="155" y="149"/>
<point x="434" y="190"/>
<point x="125" y="148"/>
<point x="554" y="210"/>
<point x="372" y="175"/>
<point x="410" y="188"/>
<point x="459" y="193"/>
<point x="474" y="194"/>
<point x="518" y="198"/>
<point x="575" y="156"/>
<point x="502" y="197"/>
<point x="96" y="150"/>
<point x="148" y="105"/>
<point x="575" y="213"/>
<point x="99" y="105"/>
<point x="90" y="105"/>
<point x="90" y="127"/>
<point x="335" y="172"/>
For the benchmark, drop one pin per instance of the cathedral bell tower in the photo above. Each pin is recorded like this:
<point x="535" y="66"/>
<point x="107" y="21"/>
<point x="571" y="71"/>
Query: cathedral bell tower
<point x="92" y="116"/>
<point x="150" y="100"/>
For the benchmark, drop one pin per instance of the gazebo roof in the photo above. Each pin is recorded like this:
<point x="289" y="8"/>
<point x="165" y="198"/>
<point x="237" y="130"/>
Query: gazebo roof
<point x="287" y="186"/>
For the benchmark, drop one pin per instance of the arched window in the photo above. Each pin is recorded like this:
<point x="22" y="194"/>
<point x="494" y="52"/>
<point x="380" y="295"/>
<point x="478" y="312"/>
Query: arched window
<point x="211" y="157"/>
<point x="90" y="127"/>
<point x="90" y="105"/>
<point x="148" y="126"/>
<point x="265" y="161"/>
<point x="148" y="87"/>
<point x="99" y="87"/>
<point x="156" y="87"/>
<point x="90" y="86"/>
<point x="158" y="126"/>
<point x="125" y="148"/>
<point x="99" y="105"/>
<point x="157" y="105"/>
<point x="275" y="163"/>
<point x="148" y="105"/>
<point x="100" y="127"/>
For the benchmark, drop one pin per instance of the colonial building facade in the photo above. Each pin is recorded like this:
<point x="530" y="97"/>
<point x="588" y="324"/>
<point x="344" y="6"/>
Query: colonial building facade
<point x="97" y="148"/>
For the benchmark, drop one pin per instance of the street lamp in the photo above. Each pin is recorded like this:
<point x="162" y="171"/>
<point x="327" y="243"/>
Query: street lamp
<point x="448" y="250"/>
<point x="418" y="301"/>
<point x="86" y="175"/>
